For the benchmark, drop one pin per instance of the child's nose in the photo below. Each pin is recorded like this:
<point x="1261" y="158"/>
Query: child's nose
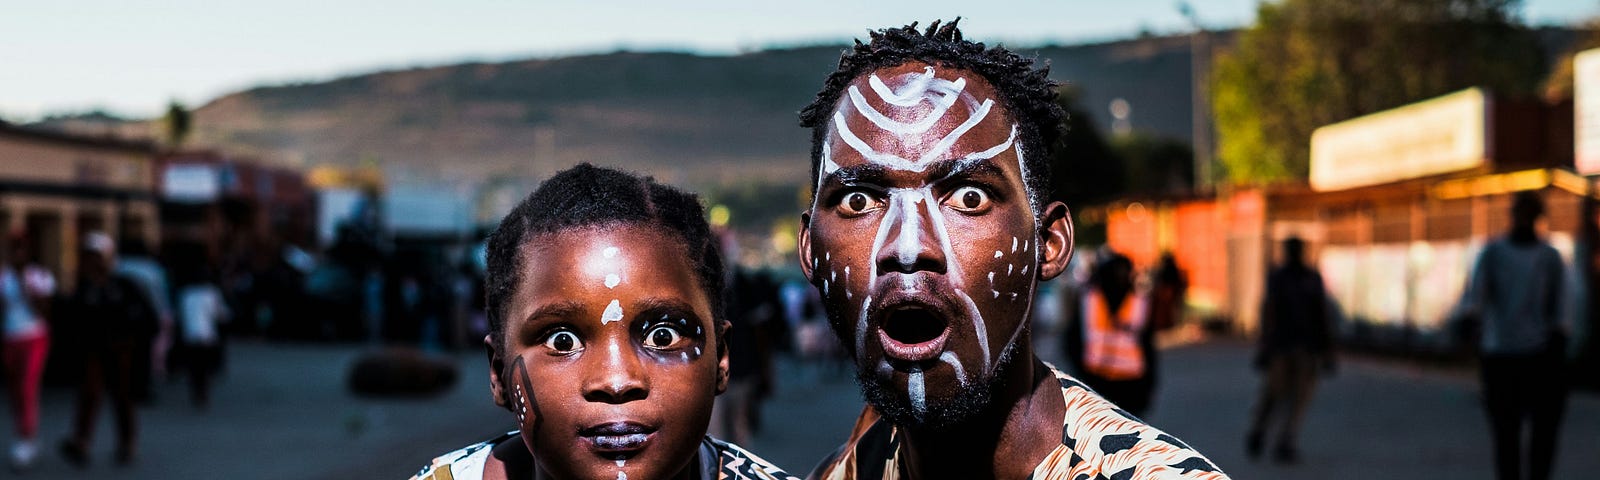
<point x="617" y="376"/>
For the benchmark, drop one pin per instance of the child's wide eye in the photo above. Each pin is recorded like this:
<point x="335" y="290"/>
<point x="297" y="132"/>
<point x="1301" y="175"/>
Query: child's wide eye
<point x="663" y="337"/>
<point x="563" y="342"/>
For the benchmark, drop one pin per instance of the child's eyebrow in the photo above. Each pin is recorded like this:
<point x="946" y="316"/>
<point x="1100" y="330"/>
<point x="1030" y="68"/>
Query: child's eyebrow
<point x="656" y="304"/>
<point x="559" y="309"/>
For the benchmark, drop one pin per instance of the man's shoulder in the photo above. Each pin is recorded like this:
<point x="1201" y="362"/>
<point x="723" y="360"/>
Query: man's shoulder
<point x="463" y="463"/>
<point x="1100" y="439"/>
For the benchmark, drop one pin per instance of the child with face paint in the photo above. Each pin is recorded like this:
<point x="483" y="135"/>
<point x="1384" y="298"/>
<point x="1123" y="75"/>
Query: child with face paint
<point x="604" y="295"/>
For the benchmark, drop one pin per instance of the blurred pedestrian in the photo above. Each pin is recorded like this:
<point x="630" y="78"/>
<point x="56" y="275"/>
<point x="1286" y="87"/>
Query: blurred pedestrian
<point x="201" y="311"/>
<point x="136" y="262"/>
<point x="1516" y="295"/>
<point x="26" y="290"/>
<point x="110" y="316"/>
<point x="1296" y="339"/>
<point x="1114" y="343"/>
<point x="1168" y="288"/>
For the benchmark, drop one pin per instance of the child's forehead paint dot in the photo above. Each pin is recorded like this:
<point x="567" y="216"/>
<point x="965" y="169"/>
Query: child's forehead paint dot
<point x="612" y="280"/>
<point x="696" y="349"/>
<point x="613" y="312"/>
<point x="1013" y="244"/>
<point x="610" y="252"/>
<point x="827" y="256"/>
<point x="997" y="254"/>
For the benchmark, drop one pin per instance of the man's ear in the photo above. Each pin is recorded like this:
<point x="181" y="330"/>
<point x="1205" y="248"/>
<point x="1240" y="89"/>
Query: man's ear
<point x="722" y="358"/>
<point x="497" y="364"/>
<point x="803" y="246"/>
<point x="1055" y="240"/>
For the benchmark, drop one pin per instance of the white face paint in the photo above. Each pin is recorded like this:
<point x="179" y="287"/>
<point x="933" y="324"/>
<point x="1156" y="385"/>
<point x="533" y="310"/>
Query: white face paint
<point x="613" y="313"/>
<point x="610" y="252"/>
<point x="919" y="398"/>
<point x="911" y="213"/>
<point x="612" y="280"/>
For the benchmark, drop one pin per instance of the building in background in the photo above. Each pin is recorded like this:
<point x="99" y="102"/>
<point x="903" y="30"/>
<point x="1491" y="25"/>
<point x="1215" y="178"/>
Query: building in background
<point x="57" y="186"/>
<point x="1398" y="206"/>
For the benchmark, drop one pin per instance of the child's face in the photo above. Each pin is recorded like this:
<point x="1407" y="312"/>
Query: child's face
<point x="611" y="363"/>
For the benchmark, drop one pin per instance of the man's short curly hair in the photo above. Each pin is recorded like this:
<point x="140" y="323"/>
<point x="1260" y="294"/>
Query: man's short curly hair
<point x="586" y="196"/>
<point x="1027" y="93"/>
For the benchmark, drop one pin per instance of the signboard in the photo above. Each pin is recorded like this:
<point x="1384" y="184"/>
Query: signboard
<point x="197" y="183"/>
<point x="1586" y="110"/>
<point x="1442" y="135"/>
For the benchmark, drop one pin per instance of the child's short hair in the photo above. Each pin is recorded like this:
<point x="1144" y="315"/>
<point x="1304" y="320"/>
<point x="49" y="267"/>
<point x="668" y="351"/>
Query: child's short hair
<point x="590" y="196"/>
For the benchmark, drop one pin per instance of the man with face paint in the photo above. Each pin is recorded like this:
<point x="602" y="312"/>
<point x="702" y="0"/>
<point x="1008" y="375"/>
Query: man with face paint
<point x="929" y="232"/>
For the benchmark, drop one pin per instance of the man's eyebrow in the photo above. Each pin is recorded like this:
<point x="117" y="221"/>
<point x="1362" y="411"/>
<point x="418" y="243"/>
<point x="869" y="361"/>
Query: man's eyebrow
<point x="870" y="173"/>
<point x="940" y="170"/>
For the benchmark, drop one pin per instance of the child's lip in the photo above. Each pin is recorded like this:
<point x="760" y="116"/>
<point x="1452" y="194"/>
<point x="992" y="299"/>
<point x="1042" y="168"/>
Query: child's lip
<point x="615" y="437"/>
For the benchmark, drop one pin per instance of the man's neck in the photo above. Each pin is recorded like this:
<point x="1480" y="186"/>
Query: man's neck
<point x="1002" y="441"/>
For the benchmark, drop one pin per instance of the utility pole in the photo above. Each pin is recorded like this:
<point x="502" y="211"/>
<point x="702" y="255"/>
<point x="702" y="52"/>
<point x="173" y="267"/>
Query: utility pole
<point x="1200" y="99"/>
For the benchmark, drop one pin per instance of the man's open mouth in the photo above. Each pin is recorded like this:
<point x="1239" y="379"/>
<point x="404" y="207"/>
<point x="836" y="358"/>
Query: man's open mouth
<point x="913" y="334"/>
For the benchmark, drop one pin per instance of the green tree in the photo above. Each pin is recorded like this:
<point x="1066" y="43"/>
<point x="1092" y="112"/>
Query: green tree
<point x="1308" y="63"/>
<point x="176" y="124"/>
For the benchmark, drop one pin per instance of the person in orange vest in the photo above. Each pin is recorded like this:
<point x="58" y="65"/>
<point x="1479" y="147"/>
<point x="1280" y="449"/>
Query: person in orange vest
<point x="1116" y="356"/>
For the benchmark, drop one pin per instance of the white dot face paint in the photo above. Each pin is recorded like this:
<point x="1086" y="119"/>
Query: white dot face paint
<point x="612" y="280"/>
<point x="613" y="313"/>
<point x="611" y="252"/>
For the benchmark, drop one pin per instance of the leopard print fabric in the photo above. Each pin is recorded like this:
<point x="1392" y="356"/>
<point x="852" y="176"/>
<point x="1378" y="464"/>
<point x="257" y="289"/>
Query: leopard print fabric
<point x="1098" y="442"/>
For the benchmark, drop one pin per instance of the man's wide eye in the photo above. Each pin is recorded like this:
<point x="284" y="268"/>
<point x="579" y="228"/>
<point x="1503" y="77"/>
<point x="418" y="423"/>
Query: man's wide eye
<point x="856" y="203"/>
<point x="968" y="199"/>
<point x="563" y="342"/>
<point x="662" y="337"/>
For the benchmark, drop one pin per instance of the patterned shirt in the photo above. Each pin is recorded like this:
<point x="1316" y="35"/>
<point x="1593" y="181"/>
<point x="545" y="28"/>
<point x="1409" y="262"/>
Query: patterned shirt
<point x="1098" y="441"/>
<point x="732" y="462"/>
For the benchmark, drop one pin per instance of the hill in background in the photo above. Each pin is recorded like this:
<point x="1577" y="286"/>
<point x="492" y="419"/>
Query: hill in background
<point x="704" y="121"/>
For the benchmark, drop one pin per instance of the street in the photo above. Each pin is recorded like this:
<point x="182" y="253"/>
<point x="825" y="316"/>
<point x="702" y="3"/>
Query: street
<point x="282" y="412"/>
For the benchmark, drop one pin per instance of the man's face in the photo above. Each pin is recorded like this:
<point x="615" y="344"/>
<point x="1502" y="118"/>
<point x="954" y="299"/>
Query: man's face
<point x="922" y="240"/>
<point x="611" y="360"/>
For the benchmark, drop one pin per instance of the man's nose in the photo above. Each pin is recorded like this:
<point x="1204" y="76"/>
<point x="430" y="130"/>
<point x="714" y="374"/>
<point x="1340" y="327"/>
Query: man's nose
<point x="911" y="237"/>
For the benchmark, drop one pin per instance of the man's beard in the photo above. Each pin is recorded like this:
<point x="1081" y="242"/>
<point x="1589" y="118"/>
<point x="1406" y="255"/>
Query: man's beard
<point x="969" y="402"/>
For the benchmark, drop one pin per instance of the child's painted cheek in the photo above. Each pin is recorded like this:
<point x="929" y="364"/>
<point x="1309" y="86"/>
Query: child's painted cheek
<point x="522" y="400"/>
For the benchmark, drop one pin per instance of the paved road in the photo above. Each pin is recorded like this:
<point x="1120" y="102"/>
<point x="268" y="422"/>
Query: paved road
<point x="283" y="413"/>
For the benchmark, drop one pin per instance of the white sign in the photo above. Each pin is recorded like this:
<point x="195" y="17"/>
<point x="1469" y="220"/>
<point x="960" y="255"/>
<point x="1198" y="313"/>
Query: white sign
<point x="191" y="183"/>
<point x="1586" y="111"/>
<point x="1442" y="135"/>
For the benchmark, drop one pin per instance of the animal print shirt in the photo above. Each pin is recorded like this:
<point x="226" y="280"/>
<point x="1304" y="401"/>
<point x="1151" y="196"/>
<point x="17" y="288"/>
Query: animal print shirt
<point x="1098" y="441"/>
<point x="732" y="462"/>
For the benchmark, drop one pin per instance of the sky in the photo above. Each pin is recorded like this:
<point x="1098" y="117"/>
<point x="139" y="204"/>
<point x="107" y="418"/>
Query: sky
<point x="133" y="57"/>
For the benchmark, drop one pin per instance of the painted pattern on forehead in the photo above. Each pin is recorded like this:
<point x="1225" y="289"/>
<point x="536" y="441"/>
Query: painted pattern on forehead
<point x="907" y="100"/>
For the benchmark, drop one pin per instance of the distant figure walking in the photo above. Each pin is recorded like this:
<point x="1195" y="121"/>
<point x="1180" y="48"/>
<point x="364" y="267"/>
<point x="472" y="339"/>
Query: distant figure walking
<point x="25" y="292"/>
<point x="1296" y="339"/>
<point x="1117" y="353"/>
<point x="109" y="316"/>
<point x="201" y="311"/>
<point x="1516" y="294"/>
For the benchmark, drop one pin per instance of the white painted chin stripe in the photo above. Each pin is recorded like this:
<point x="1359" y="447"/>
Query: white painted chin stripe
<point x="950" y="358"/>
<point x="919" y="402"/>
